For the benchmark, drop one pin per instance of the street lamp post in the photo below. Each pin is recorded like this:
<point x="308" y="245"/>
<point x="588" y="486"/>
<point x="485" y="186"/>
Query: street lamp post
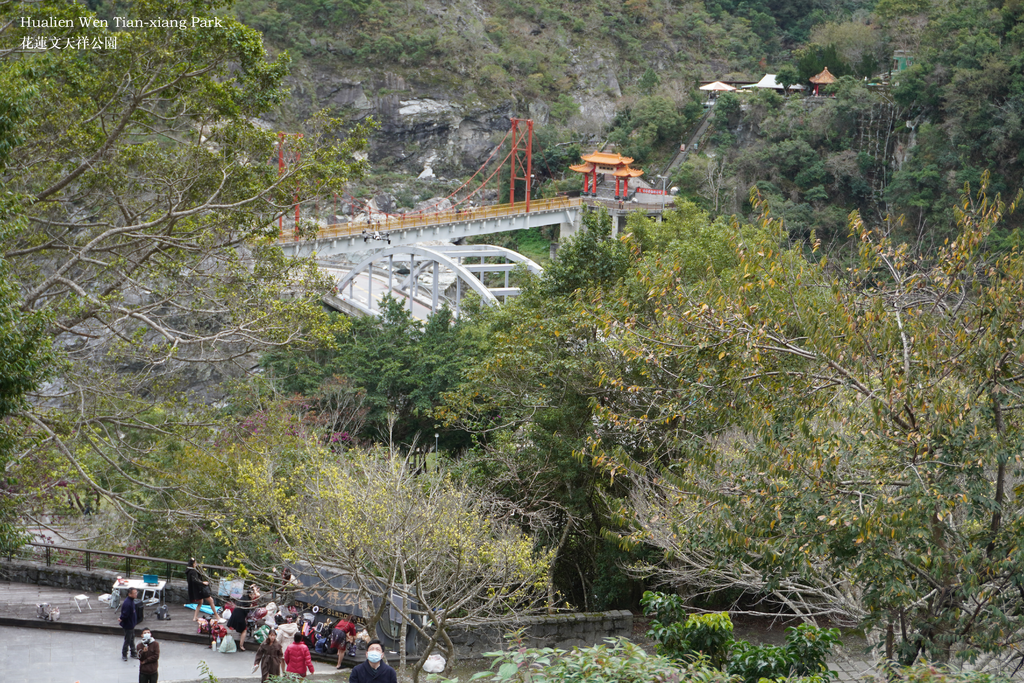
<point x="663" y="179"/>
<point x="436" y="436"/>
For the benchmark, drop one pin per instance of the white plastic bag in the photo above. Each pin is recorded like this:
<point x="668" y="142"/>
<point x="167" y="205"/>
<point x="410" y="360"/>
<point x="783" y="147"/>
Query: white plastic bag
<point x="435" y="664"/>
<point x="227" y="644"/>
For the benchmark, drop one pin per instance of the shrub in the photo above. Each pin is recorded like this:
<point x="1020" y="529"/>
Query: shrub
<point x="707" y="635"/>
<point x="708" y="638"/>
<point x="619" y="661"/>
<point x="804" y="654"/>
<point x="930" y="673"/>
<point x="809" y="647"/>
<point x="754" y="662"/>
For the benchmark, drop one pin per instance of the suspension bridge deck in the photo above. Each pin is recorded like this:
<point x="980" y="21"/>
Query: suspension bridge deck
<point x="455" y="225"/>
<point x="451" y="225"/>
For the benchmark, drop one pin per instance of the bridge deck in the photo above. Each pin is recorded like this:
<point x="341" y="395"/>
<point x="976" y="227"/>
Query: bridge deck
<point x="411" y="221"/>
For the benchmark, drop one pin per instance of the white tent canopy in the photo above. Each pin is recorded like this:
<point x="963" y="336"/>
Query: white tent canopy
<point x="767" y="82"/>
<point x="717" y="86"/>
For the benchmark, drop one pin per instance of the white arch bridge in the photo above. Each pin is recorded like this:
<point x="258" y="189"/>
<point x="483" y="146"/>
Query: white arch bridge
<point x="427" y="277"/>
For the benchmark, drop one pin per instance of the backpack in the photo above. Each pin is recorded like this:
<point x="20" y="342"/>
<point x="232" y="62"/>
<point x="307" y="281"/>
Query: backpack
<point x="321" y="645"/>
<point x="260" y="634"/>
<point x="161" y="613"/>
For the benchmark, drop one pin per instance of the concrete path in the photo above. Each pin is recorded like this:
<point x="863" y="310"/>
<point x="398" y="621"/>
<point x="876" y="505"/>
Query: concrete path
<point x="41" y="656"/>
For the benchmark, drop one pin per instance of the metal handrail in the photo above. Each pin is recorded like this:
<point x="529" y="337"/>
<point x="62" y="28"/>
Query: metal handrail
<point x="410" y="221"/>
<point x="128" y="558"/>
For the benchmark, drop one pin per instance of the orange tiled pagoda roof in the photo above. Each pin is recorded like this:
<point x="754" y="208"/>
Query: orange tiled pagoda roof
<point x="606" y="159"/>
<point x="615" y="164"/>
<point x="823" y="78"/>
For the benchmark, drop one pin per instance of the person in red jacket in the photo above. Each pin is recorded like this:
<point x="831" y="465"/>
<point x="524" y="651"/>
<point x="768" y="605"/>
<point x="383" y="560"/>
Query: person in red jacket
<point x="344" y="634"/>
<point x="297" y="659"/>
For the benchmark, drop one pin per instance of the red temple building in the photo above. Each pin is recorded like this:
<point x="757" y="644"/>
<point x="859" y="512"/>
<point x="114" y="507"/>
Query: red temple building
<point x="607" y="165"/>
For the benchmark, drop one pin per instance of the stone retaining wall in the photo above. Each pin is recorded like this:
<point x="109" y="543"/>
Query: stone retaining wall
<point x="563" y="631"/>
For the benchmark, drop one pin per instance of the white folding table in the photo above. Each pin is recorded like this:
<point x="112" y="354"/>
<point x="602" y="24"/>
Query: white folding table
<point x="154" y="591"/>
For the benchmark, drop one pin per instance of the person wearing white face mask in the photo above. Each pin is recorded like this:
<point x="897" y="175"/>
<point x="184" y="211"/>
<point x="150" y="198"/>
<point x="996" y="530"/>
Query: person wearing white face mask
<point x="374" y="669"/>
<point x="149" y="655"/>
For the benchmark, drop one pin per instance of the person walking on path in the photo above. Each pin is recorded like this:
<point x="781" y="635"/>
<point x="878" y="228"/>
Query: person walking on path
<point x="374" y="669"/>
<point x="128" y="621"/>
<point x="269" y="657"/>
<point x="198" y="588"/>
<point x="297" y="660"/>
<point x="149" y="655"/>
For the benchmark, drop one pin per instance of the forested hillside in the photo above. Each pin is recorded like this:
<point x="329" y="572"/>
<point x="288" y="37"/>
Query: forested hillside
<point x="799" y="395"/>
<point x="627" y="72"/>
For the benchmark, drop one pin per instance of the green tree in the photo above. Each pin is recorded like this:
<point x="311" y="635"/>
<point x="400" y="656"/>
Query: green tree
<point x="649" y="82"/>
<point x="876" y="431"/>
<point x="25" y="361"/>
<point x="787" y="77"/>
<point x="813" y="59"/>
<point x="400" y="366"/>
<point x="149" y="209"/>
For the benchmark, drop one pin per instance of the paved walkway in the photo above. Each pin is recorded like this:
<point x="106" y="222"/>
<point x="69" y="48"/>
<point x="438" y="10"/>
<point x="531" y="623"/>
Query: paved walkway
<point x="29" y="655"/>
<point x="43" y="655"/>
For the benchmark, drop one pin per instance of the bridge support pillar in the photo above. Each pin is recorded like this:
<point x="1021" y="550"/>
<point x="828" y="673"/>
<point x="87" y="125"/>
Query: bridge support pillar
<point x="567" y="230"/>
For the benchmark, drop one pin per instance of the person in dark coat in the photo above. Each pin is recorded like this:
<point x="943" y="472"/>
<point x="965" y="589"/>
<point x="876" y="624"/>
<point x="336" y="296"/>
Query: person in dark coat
<point x="149" y="656"/>
<point x="269" y="657"/>
<point x="374" y="669"/>
<point x="239" y="620"/>
<point x="128" y="621"/>
<point x="198" y="588"/>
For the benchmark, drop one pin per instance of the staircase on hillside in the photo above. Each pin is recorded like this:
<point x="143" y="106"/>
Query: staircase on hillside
<point x="693" y="138"/>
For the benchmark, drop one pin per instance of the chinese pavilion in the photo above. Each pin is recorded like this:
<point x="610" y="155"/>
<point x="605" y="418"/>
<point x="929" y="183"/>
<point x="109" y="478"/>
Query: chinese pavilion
<point x="607" y="164"/>
<point x="824" y="78"/>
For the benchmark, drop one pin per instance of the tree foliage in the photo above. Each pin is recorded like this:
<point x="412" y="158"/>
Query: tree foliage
<point x="400" y="365"/>
<point x="865" y="437"/>
<point x="148" y="199"/>
<point x="448" y="550"/>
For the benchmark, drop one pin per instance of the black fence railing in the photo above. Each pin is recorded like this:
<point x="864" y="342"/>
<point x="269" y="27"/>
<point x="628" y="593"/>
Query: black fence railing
<point x="125" y="563"/>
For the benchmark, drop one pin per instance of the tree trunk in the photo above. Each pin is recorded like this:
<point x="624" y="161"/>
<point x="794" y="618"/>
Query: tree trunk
<point x="402" y="631"/>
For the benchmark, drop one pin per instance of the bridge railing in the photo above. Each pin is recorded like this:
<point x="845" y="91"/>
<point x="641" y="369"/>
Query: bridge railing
<point x="421" y="220"/>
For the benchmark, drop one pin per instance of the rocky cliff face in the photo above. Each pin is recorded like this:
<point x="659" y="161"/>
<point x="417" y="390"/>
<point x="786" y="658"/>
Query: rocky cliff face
<point x="447" y="130"/>
<point x="419" y="127"/>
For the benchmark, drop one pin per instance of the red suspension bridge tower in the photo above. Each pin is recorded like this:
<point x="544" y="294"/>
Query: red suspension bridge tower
<point x="521" y="159"/>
